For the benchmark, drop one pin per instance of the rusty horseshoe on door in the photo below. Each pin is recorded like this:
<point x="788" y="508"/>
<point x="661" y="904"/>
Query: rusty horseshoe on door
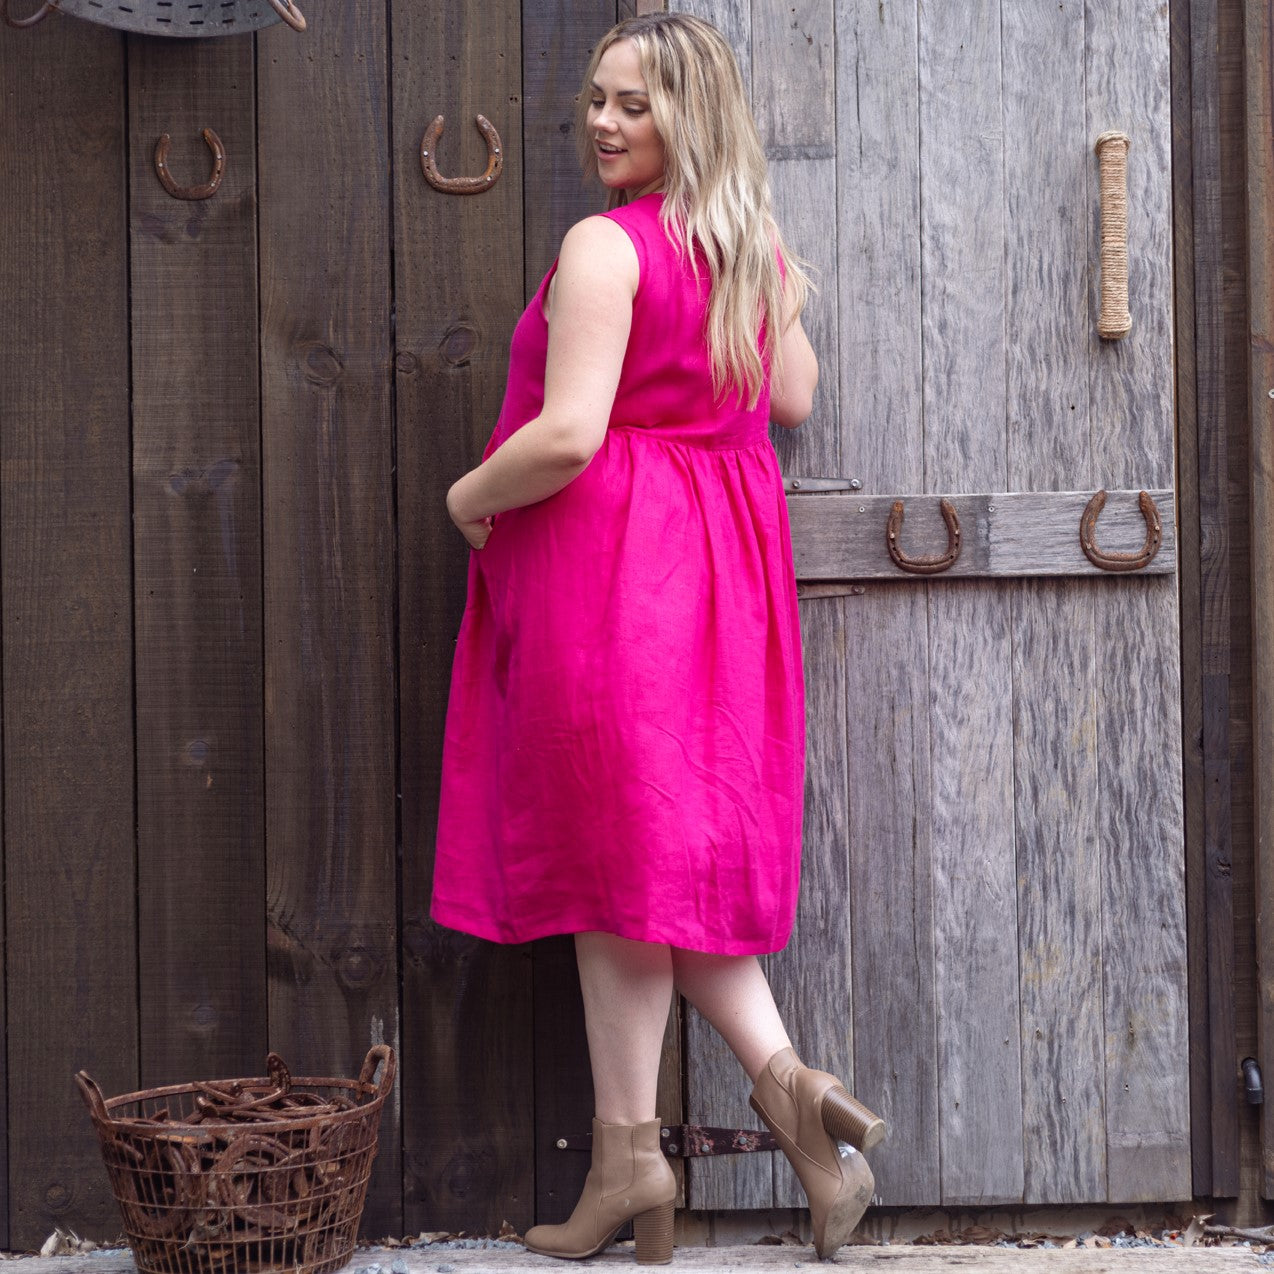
<point x="209" y="187"/>
<point x="1109" y="561"/>
<point x="461" y="185"/>
<point x="923" y="565"/>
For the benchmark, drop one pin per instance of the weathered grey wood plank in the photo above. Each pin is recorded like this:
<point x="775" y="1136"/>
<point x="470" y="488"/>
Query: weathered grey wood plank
<point x="1055" y="775"/>
<point x="715" y="1085"/>
<point x="890" y="895"/>
<point x="1140" y="819"/>
<point x="1003" y="534"/>
<point x="793" y="83"/>
<point x="881" y="432"/>
<point x="811" y="976"/>
<point x="963" y="327"/>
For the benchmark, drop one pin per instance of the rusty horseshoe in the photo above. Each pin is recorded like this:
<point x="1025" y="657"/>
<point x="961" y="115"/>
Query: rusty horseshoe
<point x="38" y="16"/>
<point x="923" y="565"/>
<point x="461" y="185"/>
<point x="290" y="14"/>
<point x="1108" y="561"/>
<point x="209" y="188"/>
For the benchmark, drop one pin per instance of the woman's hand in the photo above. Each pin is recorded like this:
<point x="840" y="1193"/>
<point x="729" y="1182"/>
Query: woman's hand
<point x="476" y="531"/>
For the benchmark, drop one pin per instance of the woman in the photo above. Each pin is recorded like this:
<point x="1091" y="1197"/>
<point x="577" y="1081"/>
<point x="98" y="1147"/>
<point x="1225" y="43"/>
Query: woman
<point x="624" y="750"/>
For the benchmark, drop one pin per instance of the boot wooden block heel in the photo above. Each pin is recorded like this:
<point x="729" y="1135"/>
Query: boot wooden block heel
<point x="847" y="1119"/>
<point x="653" y="1234"/>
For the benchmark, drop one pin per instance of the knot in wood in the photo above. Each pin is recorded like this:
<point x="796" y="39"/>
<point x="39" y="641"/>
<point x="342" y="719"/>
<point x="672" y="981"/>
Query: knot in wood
<point x="321" y="364"/>
<point x="457" y="345"/>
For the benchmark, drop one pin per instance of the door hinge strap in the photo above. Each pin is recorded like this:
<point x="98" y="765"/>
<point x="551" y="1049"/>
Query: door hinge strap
<point x="691" y="1141"/>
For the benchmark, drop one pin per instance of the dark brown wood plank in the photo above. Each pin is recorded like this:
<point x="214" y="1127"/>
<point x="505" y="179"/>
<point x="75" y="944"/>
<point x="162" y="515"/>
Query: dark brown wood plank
<point x="1212" y="477"/>
<point x="197" y="567"/>
<point x="1190" y="603"/>
<point x="329" y="554"/>
<point x="468" y="1082"/>
<point x="557" y="41"/>
<point x="1259" y="100"/>
<point x="65" y="545"/>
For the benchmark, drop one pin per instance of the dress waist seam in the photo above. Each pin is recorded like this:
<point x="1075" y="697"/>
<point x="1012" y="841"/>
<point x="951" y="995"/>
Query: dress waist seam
<point x="656" y="436"/>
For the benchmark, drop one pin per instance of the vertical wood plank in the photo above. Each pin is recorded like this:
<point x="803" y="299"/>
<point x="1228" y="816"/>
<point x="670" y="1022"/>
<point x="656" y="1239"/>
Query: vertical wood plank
<point x="1259" y="83"/>
<point x="70" y="916"/>
<point x="716" y="1087"/>
<point x="793" y="82"/>
<point x="467" y="1011"/>
<point x="891" y="868"/>
<point x="557" y="42"/>
<point x="1138" y="703"/>
<point x="1054" y="675"/>
<point x="329" y="554"/>
<point x="970" y="657"/>
<point x="1214" y="560"/>
<point x="197" y="567"/>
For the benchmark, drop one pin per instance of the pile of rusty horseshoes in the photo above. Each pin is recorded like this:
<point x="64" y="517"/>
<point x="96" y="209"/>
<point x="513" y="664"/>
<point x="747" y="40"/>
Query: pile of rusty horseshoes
<point x="242" y="1175"/>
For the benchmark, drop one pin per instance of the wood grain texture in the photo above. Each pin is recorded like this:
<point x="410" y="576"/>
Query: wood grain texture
<point x="1189" y="602"/>
<point x="557" y="42"/>
<point x="1047" y="157"/>
<point x="70" y="917"/>
<point x="1002" y="534"/>
<point x="331" y="866"/>
<point x="1212" y="492"/>
<point x="197" y="567"/>
<point x="811" y="976"/>
<point x="1259" y="80"/>
<point x="1059" y="892"/>
<point x="963" y="327"/>
<point x="469" y="1094"/>
<point x="882" y="444"/>
<point x="1139" y="739"/>
<point x="891" y="884"/>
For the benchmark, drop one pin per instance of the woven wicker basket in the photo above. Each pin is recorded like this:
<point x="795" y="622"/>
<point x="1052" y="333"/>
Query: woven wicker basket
<point x="243" y="1176"/>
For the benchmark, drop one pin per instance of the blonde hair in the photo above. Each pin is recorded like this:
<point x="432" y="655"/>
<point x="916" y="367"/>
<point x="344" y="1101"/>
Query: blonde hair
<point x="716" y="189"/>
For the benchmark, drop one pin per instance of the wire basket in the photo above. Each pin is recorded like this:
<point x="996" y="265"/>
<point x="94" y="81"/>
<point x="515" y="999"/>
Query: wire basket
<point x="245" y="1175"/>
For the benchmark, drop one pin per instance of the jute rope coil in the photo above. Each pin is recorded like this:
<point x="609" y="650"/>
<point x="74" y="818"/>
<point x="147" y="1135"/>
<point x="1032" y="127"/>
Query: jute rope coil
<point x="1114" y="321"/>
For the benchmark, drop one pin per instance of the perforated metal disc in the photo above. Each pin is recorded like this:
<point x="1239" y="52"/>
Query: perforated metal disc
<point x="186" y="18"/>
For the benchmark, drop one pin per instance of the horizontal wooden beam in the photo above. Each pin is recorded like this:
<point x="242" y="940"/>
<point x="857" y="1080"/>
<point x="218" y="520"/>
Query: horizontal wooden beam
<point x="841" y="535"/>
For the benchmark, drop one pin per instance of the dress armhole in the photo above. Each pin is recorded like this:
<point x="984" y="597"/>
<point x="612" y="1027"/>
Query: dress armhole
<point x="636" y="238"/>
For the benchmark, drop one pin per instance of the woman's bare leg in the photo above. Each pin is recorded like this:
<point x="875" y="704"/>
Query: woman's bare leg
<point x="733" y="994"/>
<point x="627" y="988"/>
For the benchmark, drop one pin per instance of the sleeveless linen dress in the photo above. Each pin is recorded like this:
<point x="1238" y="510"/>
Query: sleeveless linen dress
<point x="625" y="740"/>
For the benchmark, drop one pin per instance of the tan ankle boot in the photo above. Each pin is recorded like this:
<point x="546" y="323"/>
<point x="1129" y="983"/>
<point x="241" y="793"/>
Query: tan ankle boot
<point x="629" y="1180"/>
<point x="809" y="1112"/>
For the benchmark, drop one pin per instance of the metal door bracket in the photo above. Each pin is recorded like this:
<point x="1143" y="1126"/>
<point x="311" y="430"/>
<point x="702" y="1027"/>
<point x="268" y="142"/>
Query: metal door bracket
<point x="923" y="565"/>
<point x="821" y="485"/>
<point x="691" y="1141"/>
<point x="1110" y="561"/>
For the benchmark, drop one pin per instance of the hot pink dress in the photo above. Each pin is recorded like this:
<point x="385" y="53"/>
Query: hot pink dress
<point x="625" y="737"/>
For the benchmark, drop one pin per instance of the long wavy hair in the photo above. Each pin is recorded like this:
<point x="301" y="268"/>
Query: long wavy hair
<point x="717" y="205"/>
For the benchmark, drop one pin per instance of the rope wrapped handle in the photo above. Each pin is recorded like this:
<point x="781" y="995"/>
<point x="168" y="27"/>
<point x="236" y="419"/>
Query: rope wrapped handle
<point x="1114" y="321"/>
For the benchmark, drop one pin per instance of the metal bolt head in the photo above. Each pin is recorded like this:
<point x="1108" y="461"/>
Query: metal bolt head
<point x="796" y="484"/>
<point x="855" y="484"/>
<point x="665" y="1133"/>
<point x="561" y="1143"/>
<point x="672" y="1148"/>
<point x="862" y="508"/>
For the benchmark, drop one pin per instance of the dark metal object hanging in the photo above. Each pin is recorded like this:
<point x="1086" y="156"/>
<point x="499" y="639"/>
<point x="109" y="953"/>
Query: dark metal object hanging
<point x="209" y="187"/>
<point x="691" y="1141"/>
<point x="181" y="18"/>
<point x="461" y="185"/>
<point x="923" y="565"/>
<point x="1109" y="561"/>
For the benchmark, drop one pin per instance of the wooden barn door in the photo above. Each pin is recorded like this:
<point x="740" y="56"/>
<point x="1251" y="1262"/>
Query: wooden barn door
<point x="991" y="941"/>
